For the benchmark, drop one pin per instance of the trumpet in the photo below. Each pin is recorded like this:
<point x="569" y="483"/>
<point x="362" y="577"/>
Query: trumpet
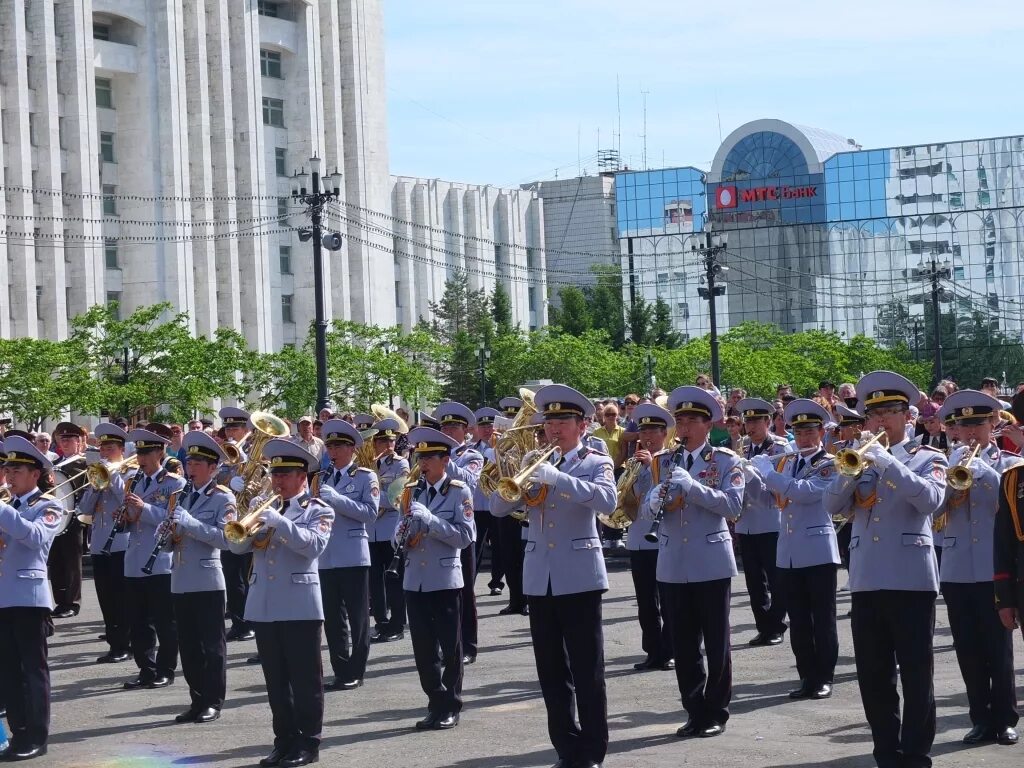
<point x="513" y="489"/>
<point x="850" y="462"/>
<point x="5" y="495"/>
<point x="960" y="476"/>
<point x="232" y="454"/>
<point x="237" y="531"/>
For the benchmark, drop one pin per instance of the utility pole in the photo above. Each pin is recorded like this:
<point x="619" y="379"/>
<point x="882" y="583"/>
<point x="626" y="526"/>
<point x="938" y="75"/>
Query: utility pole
<point x="651" y="380"/>
<point x="933" y="272"/>
<point x="485" y="355"/>
<point x="316" y="198"/>
<point x="711" y="247"/>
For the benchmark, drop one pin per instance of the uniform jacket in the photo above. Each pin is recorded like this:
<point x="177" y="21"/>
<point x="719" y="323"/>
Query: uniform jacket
<point x="434" y="563"/>
<point x="354" y="494"/>
<point x="102" y="505"/>
<point x="760" y="510"/>
<point x="388" y="468"/>
<point x="695" y="544"/>
<point x="563" y="550"/>
<point x="466" y="464"/>
<point x="195" y="564"/>
<point x="26" y="534"/>
<point x="1008" y="559"/>
<point x="143" y="530"/>
<point x="480" y="499"/>
<point x="807" y="536"/>
<point x="635" y="540"/>
<point x="285" y="581"/>
<point x="891" y="538"/>
<point x="967" y="544"/>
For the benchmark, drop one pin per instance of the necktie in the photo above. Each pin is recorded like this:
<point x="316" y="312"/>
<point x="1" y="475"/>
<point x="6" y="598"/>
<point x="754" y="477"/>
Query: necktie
<point x="558" y="463"/>
<point x="16" y="503"/>
<point x="192" y="498"/>
<point x="145" y="485"/>
<point x="689" y="462"/>
<point x="336" y="477"/>
<point x="799" y="466"/>
<point x="431" y="494"/>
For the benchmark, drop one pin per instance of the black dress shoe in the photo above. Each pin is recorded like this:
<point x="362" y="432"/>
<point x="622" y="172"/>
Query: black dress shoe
<point x="715" y="729"/>
<point x="688" y="730"/>
<point x="159" y="682"/>
<point x="245" y="634"/>
<point x="188" y="716"/>
<point x="388" y="637"/>
<point x="135" y="683"/>
<point x="13" y="755"/>
<point x="208" y="715"/>
<point x="447" y="721"/>
<point x="758" y="640"/>
<point x="495" y="591"/>
<point x="646" y="664"/>
<point x="588" y="764"/>
<point x="112" y="658"/>
<point x="277" y="754"/>
<point x="253" y="660"/>
<point x="803" y="692"/>
<point x="823" y="691"/>
<point x="428" y="723"/>
<point x="232" y="634"/>
<point x="508" y="610"/>
<point x="1006" y="736"/>
<point x="774" y="639"/>
<point x="525" y="611"/>
<point x="300" y="757"/>
<point x="64" y="613"/>
<point x="101" y="637"/>
<point x="468" y="659"/>
<point x="979" y="734"/>
<point x="344" y="685"/>
<point x="668" y="664"/>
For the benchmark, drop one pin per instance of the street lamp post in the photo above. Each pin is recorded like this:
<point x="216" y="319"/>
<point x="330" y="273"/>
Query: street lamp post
<point x="711" y="247"/>
<point x="316" y="197"/>
<point x="932" y="273"/>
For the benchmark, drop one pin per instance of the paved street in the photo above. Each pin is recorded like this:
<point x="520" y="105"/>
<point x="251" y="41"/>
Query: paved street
<point x="96" y="723"/>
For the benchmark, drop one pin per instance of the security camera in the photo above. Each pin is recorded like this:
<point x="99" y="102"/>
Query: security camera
<point x="305" y="235"/>
<point x="332" y="241"/>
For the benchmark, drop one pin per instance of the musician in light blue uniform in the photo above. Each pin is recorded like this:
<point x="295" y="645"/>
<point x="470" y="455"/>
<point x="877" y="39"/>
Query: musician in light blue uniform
<point x="486" y="526"/>
<point x="150" y="612"/>
<point x="696" y="562"/>
<point x="353" y="493"/>
<point x="236" y="567"/>
<point x="108" y="570"/>
<point x="28" y="526"/>
<point x="387" y="598"/>
<point x="285" y="603"/>
<point x="437" y="524"/>
<point x="984" y="647"/>
<point x="197" y="578"/>
<point x="808" y="554"/>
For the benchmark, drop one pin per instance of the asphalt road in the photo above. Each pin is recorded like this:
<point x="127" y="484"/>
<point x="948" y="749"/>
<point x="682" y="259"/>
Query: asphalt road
<point x="97" y="723"/>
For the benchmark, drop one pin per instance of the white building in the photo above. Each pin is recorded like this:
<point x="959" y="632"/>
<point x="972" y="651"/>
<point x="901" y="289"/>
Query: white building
<point x="495" y="235"/>
<point x="579" y="228"/>
<point x="146" y="154"/>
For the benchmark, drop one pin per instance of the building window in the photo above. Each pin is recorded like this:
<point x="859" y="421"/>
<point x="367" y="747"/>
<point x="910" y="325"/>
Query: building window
<point x="109" y="200"/>
<point x="683" y="309"/>
<point x="532" y="293"/>
<point x="958" y="273"/>
<point x="114" y="301"/>
<point x="110" y="254"/>
<point x="282" y="209"/>
<point x="398" y="294"/>
<point x="268" y="8"/>
<point x="100" y="31"/>
<point x="104" y="93"/>
<point x="286" y="263"/>
<point x="280" y="162"/>
<point x="107" y="147"/>
<point x="273" y="112"/>
<point x="39" y="301"/>
<point x="286" y="308"/>
<point x="270" y="63"/>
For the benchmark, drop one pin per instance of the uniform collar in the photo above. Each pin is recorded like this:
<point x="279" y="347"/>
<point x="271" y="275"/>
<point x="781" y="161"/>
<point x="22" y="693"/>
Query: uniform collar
<point x="901" y="446"/>
<point x="202" y="490"/>
<point x="294" y="500"/>
<point x="25" y="498"/>
<point x="347" y="467"/>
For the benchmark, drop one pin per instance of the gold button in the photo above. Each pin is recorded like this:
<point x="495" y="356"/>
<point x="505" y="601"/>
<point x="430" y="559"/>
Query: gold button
<point x="686" y="522"/>
<point x="874" y="538"/>
<point x="685" y="540"/>
<point x="551" y="545"/>
<point x="790" y="515"/>
<point x="877" y="518"/>
<point x="974" y="522"/>
<point x="975" y="540"/>
<point x="271" y="577"/>
<point x="423" y="562"/>
<point x="551" y="525"/>
<point x="270" y="562"/>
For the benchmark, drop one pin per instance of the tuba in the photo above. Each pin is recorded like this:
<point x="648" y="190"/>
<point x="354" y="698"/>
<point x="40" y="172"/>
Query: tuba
<point x="251" y="479"/>
<point x="511" y="446"/>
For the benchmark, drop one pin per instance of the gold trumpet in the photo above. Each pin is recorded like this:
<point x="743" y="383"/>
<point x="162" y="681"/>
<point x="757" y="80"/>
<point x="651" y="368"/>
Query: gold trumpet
<point x="232" y="454"/>
<point x="5" y="495"/>
<point x="850" y="462"/>
<point x="960" y="476"/>
<point x="513" y="489"/>
<point x="237" y="531"/>
<point x="98" y="475"/>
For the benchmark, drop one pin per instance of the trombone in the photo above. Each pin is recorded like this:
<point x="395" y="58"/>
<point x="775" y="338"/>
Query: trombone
<point x="512" y="489"/>
<point x="237" y="531"/>
<point x="850" y="462"/>
<point x="98" y="475"/>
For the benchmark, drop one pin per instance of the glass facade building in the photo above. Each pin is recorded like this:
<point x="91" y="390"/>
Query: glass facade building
<point x="824" y="234"/>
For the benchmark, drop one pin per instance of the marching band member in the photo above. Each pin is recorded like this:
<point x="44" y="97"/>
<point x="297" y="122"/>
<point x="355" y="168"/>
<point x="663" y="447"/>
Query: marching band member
<point x="696" y="562"/>
<point x="354" y="494"/>
<point x="655" y="635"/>
<point x="1008" y="555"/>
<point x="564" y="576"/>
<point x="486" y="526"/>
<point x="510" y="538"/>
<point x="387" y="598"/>
<point x="437" y="524"/>
<point x="984" y="647"/>
<point x="197" y="578"/>
<point x="236" y="567"/>
<point x="108" y="570"/>
<point x="456" y="420"/>
<point x="150" y="613"/>
<point x="28" y="525"/>
<point x="758" y="528"/>
<point x="65" y="559"/>
<point x="850" y="425"/>
<point x="893" y="573"/>
<point x="807" y="553"/>
<point x="285" y="605"/>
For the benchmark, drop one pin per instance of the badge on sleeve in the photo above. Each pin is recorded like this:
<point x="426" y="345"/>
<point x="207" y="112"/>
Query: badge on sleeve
<point x="609" y="472"/>
<point x="474" y="466"/>
<point x="375" y="490"/>
<point x="230" y="513"/>
<point x="826" y="472"/>
<point x="737" y="480"/>
<point x="325" y="525"/>
<point x="51" y="517"/>
<point x="938" y="473"/>
<point x="467" y="509"/>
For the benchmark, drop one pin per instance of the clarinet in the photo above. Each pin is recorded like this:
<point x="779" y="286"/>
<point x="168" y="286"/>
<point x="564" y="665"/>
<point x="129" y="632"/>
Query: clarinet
<point x="166" y="529"/>
<point x="403" y="535"/>
<point x="120" y="513"/>
<point x="659" y="514"/>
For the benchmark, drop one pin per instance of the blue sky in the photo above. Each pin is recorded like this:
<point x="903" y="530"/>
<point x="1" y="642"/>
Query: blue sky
<point x="508" y="91"/>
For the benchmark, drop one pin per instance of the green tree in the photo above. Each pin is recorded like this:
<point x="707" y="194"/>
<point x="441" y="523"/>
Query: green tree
<point x="501" y="310"/>
<point x="41" y="379"/>
<point x="283" y="382"/>
<point x="640" y="317"/>
<point x="573" y="316"/>
<point x="661" y="331"/>
<point x="605" y="301"/>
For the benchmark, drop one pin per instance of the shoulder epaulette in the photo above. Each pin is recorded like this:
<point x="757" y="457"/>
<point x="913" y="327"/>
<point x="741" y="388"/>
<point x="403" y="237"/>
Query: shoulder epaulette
<point x="224" y="489"/>
<point x="365" y="469"/>
<point x="161" y="475"/>
<point x="917" y="448"/>
<point x="662" y="452"/>
<point x="726" y="451"/>
<point x="456" y="483"/>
